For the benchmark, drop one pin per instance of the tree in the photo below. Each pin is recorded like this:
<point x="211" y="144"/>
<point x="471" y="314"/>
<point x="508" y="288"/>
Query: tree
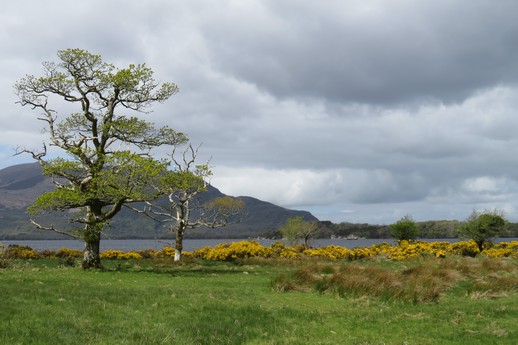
<point x="109" y="160"/>
<point x="296" y="229"/>
<point x="405" y="229"/>
<point x="482" y="226"/>
<point x="182" y="184"/>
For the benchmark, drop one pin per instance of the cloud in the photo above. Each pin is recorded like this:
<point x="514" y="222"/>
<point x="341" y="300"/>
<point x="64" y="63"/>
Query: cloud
<point x="380" y="108"/>
<point x="368" y="53"/>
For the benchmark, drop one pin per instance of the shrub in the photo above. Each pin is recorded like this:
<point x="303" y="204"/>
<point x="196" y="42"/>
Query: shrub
<point x="481" y="226"/>
<point x="47" y="253"/>
<point x="166" y="252"/>
<point x="405" y="229"/>
<point x="202" y="252"/>
<point x="330" y="252"/>
<point x="279" y="250"/>
<point x="15" y="251"/>
<point x="466" y="248"/>
<point x="67" y="261"/>
<point x="504" y="249"/>
<point x="147" y="253"/>
<point x="120" y="255"/>
<point x="66" y="252"/>
<point x="238" y="250"/>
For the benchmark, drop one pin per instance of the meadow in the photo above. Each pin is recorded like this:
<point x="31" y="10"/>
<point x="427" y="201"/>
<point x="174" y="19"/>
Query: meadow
<point x="261" y="299"/>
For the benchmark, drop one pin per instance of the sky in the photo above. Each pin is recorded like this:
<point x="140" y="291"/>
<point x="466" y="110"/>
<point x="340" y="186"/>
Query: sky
<point x="357" y="111"/>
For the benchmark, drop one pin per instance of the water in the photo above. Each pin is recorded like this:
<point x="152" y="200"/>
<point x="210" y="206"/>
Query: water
<point x="189" y="245"/>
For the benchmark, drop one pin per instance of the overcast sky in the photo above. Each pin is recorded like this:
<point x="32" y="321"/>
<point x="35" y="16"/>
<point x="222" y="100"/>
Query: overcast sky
<point x="355" y="110"/>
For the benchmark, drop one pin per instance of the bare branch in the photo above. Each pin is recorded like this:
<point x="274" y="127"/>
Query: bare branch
<point x="37" y="156"/>
<point x="148" y="212"/>
<point x="52" y="228"/>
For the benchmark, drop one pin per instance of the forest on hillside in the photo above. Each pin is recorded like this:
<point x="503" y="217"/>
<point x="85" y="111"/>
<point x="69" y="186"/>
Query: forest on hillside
<point x="427" y="229"/>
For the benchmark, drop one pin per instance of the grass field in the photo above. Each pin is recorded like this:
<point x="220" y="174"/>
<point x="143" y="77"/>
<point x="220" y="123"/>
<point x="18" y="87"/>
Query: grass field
<point x="201" y="302"/>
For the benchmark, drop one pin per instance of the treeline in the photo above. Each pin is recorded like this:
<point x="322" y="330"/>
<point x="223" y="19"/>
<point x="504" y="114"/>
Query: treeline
<point x="428" y="229"/>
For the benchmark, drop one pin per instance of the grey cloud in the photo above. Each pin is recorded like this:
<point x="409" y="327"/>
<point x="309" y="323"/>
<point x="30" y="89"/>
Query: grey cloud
<point x="402" y="52"/>
<point x="381" y="108"/>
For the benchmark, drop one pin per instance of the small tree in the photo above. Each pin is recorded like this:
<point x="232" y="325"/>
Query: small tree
<point x="404" y="229"/>
<point x="296" y="229"/>
<point x="183" y="210"/>
<point x="109" y="160"/>
<point x="482" y="226"/>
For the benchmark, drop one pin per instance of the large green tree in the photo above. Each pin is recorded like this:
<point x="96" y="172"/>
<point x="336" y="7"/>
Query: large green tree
<point x="108" y="149"/>
<point x="405" y="229"/>
<point x="482" y="226"/>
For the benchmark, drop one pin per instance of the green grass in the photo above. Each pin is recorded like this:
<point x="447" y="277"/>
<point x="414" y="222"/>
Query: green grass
<point x="154" y="302"/>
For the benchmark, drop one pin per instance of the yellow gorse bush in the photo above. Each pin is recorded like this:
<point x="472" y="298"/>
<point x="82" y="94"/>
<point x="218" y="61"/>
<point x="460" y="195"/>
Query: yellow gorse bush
<point x="66" y="252"/>
<point x="329" y="252"/>
<point x="238" y="250"/>
<point x="504" y="249"/>
<point x="166" y="252"/>
<point x="20" y="252"/>
<point x="120" y="255"/>
<point x="280" y="250"/>
<point x="466" y="248"/>
<point x="253" y="249"/>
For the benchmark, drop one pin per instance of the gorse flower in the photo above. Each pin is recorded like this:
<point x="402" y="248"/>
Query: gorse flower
<point x="252" y="249"/>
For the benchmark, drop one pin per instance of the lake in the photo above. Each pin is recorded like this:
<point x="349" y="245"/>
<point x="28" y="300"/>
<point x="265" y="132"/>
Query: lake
<point x="188" y="244"/>
<point x="191" y="244"/>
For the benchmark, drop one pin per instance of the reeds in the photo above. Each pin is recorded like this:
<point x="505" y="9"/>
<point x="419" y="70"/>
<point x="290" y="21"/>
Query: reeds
<point x="424" y="282"/>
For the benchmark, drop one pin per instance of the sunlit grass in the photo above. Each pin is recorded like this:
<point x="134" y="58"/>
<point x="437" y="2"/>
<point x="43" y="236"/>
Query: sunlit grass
<point x="203" y="302"/>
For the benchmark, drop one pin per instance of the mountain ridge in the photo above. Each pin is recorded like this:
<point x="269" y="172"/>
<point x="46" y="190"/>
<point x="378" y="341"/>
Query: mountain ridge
<point x="21" y="184"/>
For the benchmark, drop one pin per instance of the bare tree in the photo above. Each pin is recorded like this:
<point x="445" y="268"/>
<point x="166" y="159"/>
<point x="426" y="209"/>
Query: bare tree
<point x="183" y="210"/>
<point x="296" y="229"/>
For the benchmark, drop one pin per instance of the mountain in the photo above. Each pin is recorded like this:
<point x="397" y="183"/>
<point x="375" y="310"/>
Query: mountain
<point x="21" y="184"/>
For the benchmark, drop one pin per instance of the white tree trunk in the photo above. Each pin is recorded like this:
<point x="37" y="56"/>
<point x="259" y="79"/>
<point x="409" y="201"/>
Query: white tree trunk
<point x="177" y="255"/>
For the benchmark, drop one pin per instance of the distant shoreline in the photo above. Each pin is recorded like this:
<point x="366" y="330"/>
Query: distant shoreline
<point x="192" y="244"/>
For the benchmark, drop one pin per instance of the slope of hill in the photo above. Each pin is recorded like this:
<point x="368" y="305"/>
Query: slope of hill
<point x="21" y="184"/>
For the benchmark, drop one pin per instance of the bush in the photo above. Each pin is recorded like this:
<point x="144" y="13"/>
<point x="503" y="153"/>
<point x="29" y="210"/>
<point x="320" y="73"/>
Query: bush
<point x="252" y="249"/>
<point x="166" y="252"/>
<point x="405" y="229"/>
<point x="72" y="253"/>
<point x="468" y="248"/>
<point x="238" y="250"/>
<point x="67" y="261"/>
<point x="329" y="252"/>
<point x="120" y="255"/>
<point x="279" y="250"/>
<point x="15" y="251"/>
<point x="147" y="253"/>
<point x="482" y="226"/>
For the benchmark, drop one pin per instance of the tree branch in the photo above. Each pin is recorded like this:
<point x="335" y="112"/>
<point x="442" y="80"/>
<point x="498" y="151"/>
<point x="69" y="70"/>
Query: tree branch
<point x="52" y="228"/>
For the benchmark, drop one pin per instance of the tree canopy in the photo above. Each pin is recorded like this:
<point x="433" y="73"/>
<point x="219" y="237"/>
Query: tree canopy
<point x="482" y="226"/>
<point x="107" y="148"/>
<point x="297" y="228"/>
<point x="405" y="229"/>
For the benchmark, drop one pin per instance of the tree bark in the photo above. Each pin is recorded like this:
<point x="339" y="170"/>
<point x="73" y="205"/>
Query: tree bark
<point x="178" y="244"/>
<point x="91" y="257"/>
<point x="92" y="238"/>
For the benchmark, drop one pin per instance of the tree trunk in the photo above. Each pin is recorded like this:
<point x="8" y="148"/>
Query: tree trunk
<point x="178" y="244"/>
<point x="480" y="244"/>
<point x="91" y="257"/>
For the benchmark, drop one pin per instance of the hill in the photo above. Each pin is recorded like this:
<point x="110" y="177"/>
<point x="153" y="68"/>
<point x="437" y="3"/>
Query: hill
<point x="21" y="184"/>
